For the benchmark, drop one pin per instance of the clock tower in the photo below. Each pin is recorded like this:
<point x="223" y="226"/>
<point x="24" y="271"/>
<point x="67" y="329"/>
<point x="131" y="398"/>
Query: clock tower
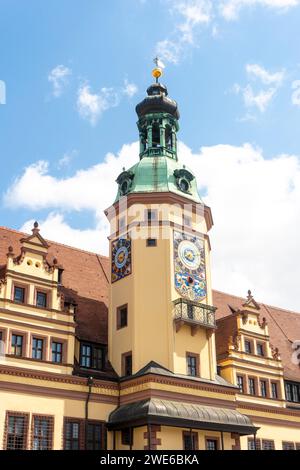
<point x="160" y="293"/>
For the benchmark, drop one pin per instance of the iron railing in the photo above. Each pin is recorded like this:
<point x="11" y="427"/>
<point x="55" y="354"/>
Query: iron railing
<point x="194" y="313"/>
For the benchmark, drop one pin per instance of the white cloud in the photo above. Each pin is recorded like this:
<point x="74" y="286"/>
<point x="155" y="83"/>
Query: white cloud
<point x="169" y="51"/>
<point x="230" y="9"/>
<point x="190" y="15"/>
<point x="92" y="105"/>
<point x="296" y="93"/>
<point x="59" y="78"/>
<point x="129" y="89"/>
<point x="257" y="71"/>
<point x="55" y="228"/>
<point x="89" y="189"/>
<point x="255" y="202"/>
<point x="193" y="13"/>
<point x="260" y="98"/>
<point x="66" y="159"/>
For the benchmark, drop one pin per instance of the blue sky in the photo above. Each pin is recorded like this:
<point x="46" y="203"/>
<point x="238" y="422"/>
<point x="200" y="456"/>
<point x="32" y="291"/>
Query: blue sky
<point x="74" y="71"/>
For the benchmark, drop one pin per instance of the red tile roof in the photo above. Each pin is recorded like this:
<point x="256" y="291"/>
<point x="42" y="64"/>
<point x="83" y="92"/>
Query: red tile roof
<point x="284" y="328"/>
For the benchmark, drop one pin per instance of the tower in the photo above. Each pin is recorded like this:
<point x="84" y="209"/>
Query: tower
<point x="160" y="293"/>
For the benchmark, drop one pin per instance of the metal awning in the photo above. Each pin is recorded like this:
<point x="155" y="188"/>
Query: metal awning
<point x="178" y="414"/>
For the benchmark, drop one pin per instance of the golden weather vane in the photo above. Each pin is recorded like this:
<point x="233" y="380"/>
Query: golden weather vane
<point x="158" y="70"/>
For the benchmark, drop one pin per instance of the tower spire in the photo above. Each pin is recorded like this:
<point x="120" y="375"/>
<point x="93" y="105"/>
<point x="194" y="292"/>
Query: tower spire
<point x="157" y="72"/>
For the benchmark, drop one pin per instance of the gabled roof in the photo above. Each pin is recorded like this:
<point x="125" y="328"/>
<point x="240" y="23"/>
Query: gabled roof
<point x="284" y="327"/>
<point x="85" y="278"/>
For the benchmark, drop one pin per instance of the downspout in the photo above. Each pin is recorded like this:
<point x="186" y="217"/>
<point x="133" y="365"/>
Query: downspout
<point x="222" y="440"/>
<point x="90" y="382"/>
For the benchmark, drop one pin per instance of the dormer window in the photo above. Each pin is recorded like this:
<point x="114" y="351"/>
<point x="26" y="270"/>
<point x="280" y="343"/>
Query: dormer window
<point x="91" y="356"/>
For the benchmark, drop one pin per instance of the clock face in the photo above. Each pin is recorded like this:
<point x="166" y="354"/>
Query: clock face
<point x="189" y="266"/>
<point x="121" y="259"/>
<point x="189" y="254"/>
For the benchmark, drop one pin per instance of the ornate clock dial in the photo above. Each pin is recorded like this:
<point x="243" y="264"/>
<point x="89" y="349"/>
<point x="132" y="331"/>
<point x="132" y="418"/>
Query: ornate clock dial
<point x="189" y="254"/>
<point x="121" y="259"/>
<point x="189" y="264"/>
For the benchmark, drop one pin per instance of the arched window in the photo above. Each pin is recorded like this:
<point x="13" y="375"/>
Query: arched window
<point x="168" y="137"/>
<point x="155" y="135"/>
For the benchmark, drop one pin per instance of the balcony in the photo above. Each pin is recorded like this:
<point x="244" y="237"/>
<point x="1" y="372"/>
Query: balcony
<point x="194" y="314"/>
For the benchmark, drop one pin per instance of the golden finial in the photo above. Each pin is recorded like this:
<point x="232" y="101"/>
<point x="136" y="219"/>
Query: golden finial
<point x="158" y="70"/>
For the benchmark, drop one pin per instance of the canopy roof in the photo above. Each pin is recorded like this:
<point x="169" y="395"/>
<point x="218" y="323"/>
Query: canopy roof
<point x="178" y="414"/>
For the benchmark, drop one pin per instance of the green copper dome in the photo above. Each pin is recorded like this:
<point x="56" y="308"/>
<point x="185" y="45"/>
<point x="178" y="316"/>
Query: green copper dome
<point x="158" y="174"/>
<point x="158" y="170"/>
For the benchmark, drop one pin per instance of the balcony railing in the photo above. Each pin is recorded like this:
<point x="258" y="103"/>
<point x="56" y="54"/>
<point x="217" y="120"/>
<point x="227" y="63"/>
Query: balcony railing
<point x="194" y="314"/>
<point x="158" y="151"/>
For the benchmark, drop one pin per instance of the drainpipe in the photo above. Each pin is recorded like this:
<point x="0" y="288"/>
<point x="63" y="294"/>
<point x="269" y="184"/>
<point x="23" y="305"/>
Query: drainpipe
<point x="222" y="440"/>
<point x="90" y="382"/>
<point x="254" y="435"/>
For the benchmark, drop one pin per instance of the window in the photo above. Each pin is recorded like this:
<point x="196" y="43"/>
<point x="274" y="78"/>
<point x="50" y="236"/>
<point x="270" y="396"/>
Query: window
<point x="263" y="388"/>
<point x="57" y="352"/>
<point x="292" y="392"/>
<point x="260" y="349"/>
<point x="59" y="275"/>
<point x="254" y="444"/>
<point x="288" y="445"/>
<point x="91" y="356"/>
<point x="297" y="445"/>
<point x="240" y="383"/>
<point x="86" y="355"/>
<point x="247" y="346"/>
<point x="187" y="221"/>
<point x="288" y="392"/>
<point x="16" y="432"/>
<point x="127" y="437"/>
<point x="251" y="385"/>
<point x="151" y="242"/>
<point x="127" y="364"/>
<point x="151" y="215"/>
<point x="268" y="445"/>
<point x="295" y="394"/>
<point x="37" y="348"/>
<point x="190" y="440"/>
<point x="2" y="345"/>
<point x="122" y="317"/>
<point x="192" y="364"/>
<point x="211" y="444"/>
<point x="19" y="295"/>
<point x="94" y="439"/>
<point x="121" y="223"/>
<point x="98" y="358"/>
<point x="72" y="435"/>
<point x="42" y="433"/>
<point x="274" y="390"/>
<point x="41" y="299"/>
<point x="17" y="345"/>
